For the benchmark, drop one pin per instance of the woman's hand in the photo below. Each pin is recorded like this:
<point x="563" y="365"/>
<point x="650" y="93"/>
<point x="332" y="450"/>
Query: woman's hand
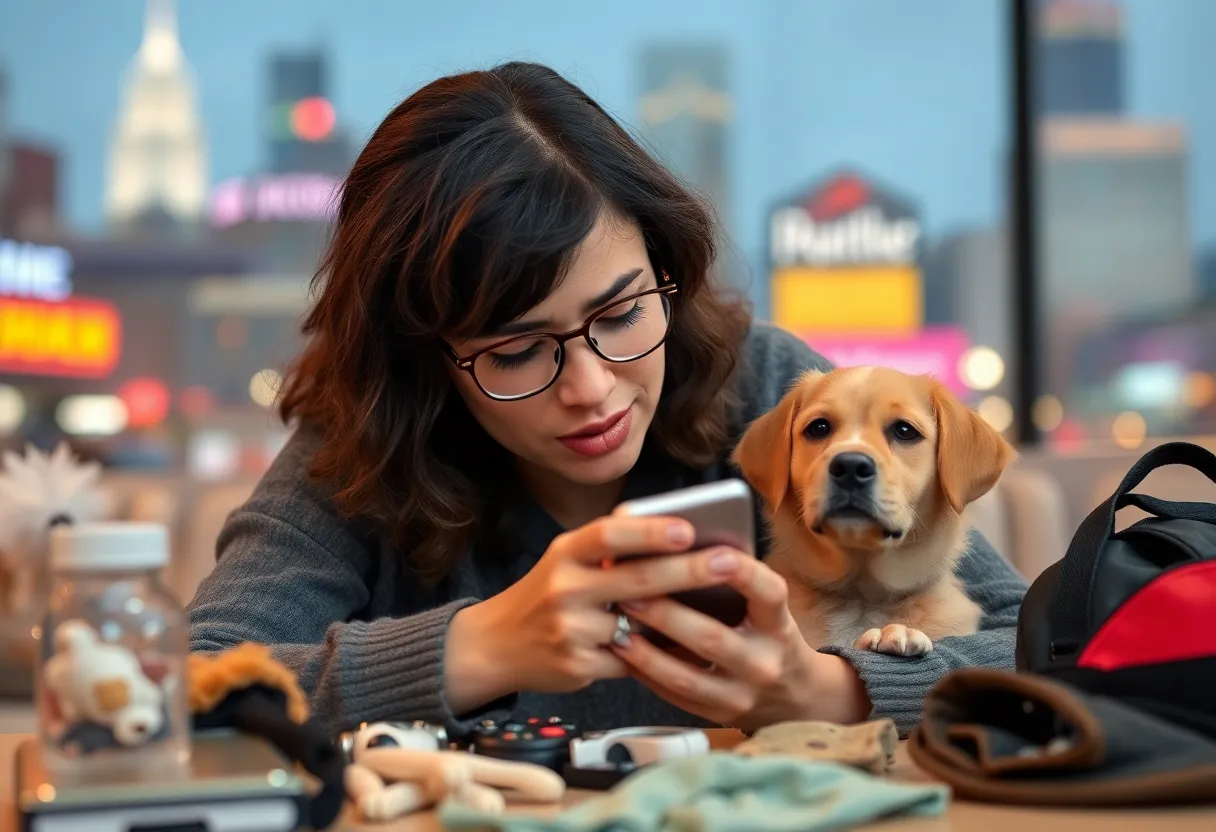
<point x="550" y="630"/>
<point x="760" y="673"/>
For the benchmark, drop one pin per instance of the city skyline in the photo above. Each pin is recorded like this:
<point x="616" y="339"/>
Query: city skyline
<point x="935" y="128"/>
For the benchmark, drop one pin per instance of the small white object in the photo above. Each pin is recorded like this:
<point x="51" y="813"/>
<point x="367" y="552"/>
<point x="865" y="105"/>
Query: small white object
<point x="103" y="683"/>
<point x="644" y="745"/>
<point x="109" y="546"/>
<point x="391" y="735"/>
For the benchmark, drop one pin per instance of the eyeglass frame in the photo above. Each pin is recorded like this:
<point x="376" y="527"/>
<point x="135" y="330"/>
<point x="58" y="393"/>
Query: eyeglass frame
<point x="466" y="363"/>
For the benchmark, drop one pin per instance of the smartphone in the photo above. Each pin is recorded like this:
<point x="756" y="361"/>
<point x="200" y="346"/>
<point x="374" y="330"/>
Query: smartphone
<point x="722" y="514"/>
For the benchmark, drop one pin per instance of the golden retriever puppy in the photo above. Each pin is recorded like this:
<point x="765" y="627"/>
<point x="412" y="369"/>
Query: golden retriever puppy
<point x="865" y="473"/>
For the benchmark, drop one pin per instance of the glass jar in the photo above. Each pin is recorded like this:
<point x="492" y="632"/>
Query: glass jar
<point x="111" y="679"/>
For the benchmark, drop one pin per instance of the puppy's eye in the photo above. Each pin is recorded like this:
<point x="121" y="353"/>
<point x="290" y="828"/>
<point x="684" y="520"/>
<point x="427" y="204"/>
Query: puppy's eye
<point x="904" y="432"/>
<point x="818" y="429"/>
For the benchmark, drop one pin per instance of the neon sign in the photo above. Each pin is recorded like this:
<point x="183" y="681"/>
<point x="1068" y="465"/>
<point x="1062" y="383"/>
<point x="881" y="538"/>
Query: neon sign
<point x="845" y="222"/>
<point x="294" y="197"/>
<point x="78" y="338"/>
<point x="33" y="271"/>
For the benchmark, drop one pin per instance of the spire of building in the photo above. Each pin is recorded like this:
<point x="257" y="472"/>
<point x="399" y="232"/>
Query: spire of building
<point x="158" y="164"/>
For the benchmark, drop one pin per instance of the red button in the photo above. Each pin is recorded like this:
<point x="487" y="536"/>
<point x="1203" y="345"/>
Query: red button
<point x="553" y="731"/>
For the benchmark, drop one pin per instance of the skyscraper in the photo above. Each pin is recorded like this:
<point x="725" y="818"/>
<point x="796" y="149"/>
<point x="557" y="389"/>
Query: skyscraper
<point x="5" y="162"/>
<point x="158" y="164"/>
<point x="1081" y="58"/>
<point x="686" y="111"/>
<point x="302" y="129"/>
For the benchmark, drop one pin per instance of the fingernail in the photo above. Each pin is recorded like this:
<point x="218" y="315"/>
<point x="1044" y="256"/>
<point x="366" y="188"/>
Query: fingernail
<point x="680" y="534"/>
<point x="723" y="563"/>
<point x="635" y="606"/>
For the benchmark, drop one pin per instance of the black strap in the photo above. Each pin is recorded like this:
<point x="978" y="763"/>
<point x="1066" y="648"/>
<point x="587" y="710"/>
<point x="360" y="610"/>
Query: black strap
<point x="1180" y="510"/>
<point x="1068" y="617"/>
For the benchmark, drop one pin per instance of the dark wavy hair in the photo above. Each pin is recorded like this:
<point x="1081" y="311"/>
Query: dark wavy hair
<point x="463" y="212"/>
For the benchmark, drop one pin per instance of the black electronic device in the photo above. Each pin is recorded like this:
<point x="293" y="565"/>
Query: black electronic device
<point x="544" y="741"/>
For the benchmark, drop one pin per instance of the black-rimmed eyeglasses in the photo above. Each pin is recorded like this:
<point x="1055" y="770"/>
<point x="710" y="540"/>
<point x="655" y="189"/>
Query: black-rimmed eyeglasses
<point x="629" y="328"/>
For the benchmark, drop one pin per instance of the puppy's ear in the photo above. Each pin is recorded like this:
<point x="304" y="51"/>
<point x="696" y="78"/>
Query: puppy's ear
<point x="971" y="455"/>
<point x="763" y="454"/>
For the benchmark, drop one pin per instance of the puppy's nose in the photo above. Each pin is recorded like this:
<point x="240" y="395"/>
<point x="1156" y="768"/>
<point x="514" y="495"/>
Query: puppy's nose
<point x="852" y="470"/>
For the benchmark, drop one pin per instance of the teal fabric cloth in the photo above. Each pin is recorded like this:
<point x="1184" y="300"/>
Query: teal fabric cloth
<point x="724" y="792"/>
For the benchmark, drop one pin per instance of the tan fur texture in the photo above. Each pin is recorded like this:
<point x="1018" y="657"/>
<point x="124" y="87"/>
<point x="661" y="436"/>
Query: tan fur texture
<point x="214" y="676"/>
<point x="112" y="695"/>
<point x="887" y="586"/>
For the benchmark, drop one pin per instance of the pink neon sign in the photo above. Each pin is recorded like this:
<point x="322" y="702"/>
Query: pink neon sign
<point x="291" y="197"/>
<point x="934" y="351"/>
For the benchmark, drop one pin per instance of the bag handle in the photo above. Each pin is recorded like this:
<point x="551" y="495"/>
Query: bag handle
<point x="1180" y="510"/>
<point x="1068" y="618"/>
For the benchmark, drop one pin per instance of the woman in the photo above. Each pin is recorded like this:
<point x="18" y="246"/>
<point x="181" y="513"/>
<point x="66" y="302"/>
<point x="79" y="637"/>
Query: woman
<point x="516" y="330"/>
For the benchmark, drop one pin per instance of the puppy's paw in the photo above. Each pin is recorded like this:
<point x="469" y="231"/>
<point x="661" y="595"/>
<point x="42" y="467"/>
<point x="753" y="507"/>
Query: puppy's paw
<point x="895" y="640"/>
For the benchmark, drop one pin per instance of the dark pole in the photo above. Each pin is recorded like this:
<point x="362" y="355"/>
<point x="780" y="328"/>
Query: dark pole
<point x="1023" y="230"/>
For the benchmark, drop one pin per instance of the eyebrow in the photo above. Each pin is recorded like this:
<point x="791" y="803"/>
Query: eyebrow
<point x="619" y="285"/>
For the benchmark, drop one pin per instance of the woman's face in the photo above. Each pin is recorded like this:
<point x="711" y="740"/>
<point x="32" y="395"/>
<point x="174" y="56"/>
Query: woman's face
<point x="589" y="425"/>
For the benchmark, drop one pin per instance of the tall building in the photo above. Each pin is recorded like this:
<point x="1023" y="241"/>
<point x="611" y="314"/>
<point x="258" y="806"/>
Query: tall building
<point x="5" y="162"/>
<point x="1081" y="58"/>
<point x="29" y="206"/>
<point x="29" y="184"/>
<point x="302" y="128"/>
<point x="1114" y="217"/>
<point x="686" y="111"/>
<point x="158" y="165"/>
<point x="970" y="273"/>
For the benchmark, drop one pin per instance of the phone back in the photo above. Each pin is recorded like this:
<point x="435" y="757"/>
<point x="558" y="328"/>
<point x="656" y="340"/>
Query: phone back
<point x="722" y="513"/>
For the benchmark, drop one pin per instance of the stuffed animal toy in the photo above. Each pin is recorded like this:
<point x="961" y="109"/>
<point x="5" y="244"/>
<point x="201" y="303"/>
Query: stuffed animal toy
<point x="397" y="770"/>
<point x="103" y="685"/>
<point x="246" y="689"/>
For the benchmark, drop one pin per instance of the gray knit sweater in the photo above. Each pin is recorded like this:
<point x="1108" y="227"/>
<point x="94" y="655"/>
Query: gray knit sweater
<point x="340" y="606"/>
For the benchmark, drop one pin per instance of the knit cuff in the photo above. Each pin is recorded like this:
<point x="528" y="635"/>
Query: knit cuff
<point x="897" y="685"/>
<point x="391" y="669"/>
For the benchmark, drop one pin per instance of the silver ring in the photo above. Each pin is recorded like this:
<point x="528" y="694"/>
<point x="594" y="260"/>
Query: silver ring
<point x="620" y="636"/>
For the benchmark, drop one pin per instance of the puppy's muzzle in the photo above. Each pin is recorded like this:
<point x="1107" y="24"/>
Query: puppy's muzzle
<point x="852" y="472"/>
<point x="853" y="476"/>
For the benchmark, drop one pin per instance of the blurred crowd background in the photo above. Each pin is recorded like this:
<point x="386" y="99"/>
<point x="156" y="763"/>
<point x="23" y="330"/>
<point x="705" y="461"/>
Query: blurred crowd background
<point x="167" y="173"/>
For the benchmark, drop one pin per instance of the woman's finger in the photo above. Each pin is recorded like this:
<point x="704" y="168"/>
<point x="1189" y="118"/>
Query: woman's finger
<point x="689" y="688"/>
<point x="611" y="537"/>
<point x="658" y="576"/>
<point x="767" y="595"/>
<point x="701" y="635"/>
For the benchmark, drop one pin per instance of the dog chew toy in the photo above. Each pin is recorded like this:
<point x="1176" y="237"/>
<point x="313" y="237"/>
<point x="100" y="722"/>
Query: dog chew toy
<point x="869" y="746"/>
<point x="393" y="773"/>
<point x="245" y="688"/>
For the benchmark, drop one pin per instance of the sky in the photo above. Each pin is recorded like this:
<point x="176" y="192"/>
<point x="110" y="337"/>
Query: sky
<point x="911" y="92"/>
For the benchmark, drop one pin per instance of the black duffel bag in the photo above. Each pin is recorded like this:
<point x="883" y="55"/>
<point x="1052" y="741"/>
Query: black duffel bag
<point x="1132" y="614"/>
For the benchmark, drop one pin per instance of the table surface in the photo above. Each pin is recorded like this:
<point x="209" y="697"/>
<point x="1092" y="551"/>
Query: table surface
<point x="960" y="816"/>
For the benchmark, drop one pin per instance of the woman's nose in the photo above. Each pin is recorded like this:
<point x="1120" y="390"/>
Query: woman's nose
<point x="586" y="379"/>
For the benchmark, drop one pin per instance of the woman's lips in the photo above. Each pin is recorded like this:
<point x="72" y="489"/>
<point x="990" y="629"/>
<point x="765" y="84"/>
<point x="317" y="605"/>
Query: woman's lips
<point x="605" y="440"/>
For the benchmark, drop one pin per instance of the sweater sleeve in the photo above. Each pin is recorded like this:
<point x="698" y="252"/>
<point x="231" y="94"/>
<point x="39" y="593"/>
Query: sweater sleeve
<point x="898" y="685"/>
<point x="292" y="575"/>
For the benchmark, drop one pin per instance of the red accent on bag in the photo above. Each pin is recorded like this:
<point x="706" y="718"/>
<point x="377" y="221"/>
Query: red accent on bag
<point x="1169" y="620"/>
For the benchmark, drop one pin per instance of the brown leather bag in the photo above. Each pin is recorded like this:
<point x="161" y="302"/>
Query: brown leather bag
<point x="1021" y="738"/>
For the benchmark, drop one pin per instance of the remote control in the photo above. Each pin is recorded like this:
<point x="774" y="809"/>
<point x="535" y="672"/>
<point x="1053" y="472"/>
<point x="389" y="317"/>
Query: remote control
<point x="544" y="741"/>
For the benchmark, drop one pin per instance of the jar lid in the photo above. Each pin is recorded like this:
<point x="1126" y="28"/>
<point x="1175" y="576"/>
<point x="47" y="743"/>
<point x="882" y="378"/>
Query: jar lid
<point x="111" y="545"/>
